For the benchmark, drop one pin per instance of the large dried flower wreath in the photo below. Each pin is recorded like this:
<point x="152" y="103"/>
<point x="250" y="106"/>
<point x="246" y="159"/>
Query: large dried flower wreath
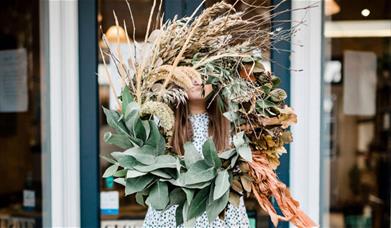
<point x="222" y="49"/>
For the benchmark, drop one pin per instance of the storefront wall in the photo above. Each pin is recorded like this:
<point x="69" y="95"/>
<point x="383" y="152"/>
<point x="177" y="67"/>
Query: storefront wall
<point x="60" y="58"/>
<point x="70" y="130"/>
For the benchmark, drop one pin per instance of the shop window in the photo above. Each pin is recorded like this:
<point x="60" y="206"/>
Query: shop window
<point x="356" y="137"/>
<point x="21" y="122"/>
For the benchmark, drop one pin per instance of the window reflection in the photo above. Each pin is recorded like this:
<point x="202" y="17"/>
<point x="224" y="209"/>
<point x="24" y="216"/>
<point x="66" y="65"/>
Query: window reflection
<point x="356" y="122"/>
<point x="20" y="115"/>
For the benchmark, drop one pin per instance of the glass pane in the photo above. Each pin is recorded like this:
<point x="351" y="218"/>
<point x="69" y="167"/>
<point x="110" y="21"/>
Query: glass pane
<point x="129" y="212"/>
<point x="20" y="115"/>
<point x="356" y="142"/>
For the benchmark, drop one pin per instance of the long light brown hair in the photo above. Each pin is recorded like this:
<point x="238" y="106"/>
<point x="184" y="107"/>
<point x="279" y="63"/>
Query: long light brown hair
<point x="218" y="126"/>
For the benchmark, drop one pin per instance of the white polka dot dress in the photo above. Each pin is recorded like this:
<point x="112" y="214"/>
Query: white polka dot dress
<point x="235" y="217"/>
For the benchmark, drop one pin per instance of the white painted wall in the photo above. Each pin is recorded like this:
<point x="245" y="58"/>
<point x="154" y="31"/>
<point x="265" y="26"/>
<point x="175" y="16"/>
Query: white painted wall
<point x="60" y="98"/>
<point x="306" y="100"/>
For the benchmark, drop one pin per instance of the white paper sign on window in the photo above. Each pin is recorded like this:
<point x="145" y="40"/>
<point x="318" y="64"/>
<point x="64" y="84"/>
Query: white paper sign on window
<point x="13" y="80"/>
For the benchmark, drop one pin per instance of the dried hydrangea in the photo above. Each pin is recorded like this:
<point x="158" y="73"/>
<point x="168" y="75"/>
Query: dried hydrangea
<point x="162" y="111"/>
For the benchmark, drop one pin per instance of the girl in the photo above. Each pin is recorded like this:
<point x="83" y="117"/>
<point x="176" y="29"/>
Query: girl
<point x="195" y="122"/>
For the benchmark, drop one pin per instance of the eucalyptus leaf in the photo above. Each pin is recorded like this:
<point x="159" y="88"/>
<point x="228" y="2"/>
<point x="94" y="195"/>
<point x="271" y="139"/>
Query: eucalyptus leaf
<point x="177" y="196"/>
<point x="198" y="204"/>
<point x="221" y="184"/>
<point x="110" y="171"/>
<point x="162" y="161"/>
<point x="200" y="185"/>
<point x="191" y="154"/>
<point x="118" y="155"/>
<point x="112" y="118"/>
<point x="234" y="160"/>
<point x="227" y="154"/>
<point x="158" y="197"/>
<point x="197" y="173"/>
<point x="120" y="173"/>
<point x="232" y="116"/>
<point x="134" y="173"/>
<point x="140" y="198"/>
<point x="126" y="98"/>
<point x="210" y="153"/>
<point x="147" y="128"/>
<point x="179" y="215"/>
<point x="141" y="155"/>
<point x="238" y="139"/>
<point x="127" y="162"/>
<point x="156" y="140"/>
<point x="120" y="181"/>
<point x="133" y="122"/>
<point x="245" y="152"/>
<point x="214" y="208"/>
<point x="161" y="173"/>
<point x="119" y="140"/>
<point x="137" y="184"/>
<point x="189" y="195"/>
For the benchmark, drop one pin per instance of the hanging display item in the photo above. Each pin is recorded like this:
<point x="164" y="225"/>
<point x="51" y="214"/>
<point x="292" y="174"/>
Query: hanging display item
<point x="222" y="49"/>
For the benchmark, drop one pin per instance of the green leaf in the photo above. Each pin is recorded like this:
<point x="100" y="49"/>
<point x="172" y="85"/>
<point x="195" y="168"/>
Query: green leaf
<point x="234" y="160"/>
<point x="232" y="116"/>
<point x="133" y="122"/>
<point x="227" y="154"/>
<point x="118" y="155"/>
<point x="112" y="118"/>
<point x="140" y="198"/>
<point x="177" y="196"/>
<point x="198" y="185"/>
<point x="110" y="171"/>
<point x="238" y="139"/>
<point x="197" y="173"/>
<point x="189" y="195"/>
<point x="188" y="222"/>
<point x="141" y="155"/>
<point x="137" y="184"/>
<point x="191" y="154"/>
<point x="215" y="207"/>
<point x="162" y="161"/>
<point x="158" y="197"/>
<point x="156" y="141"/>
<point x="221" y="184"/>
<point x="126" y="98"/>
<point x="198" y="204"/>
<point x="179" y="215"/>
<point x="131" y="107"/>
<point x="120" y="181"/>
<point x="242" y="147"/>
<point x="161" y="173"/>
<point x="245" y="152"/>
<point x="127" y="162"/>
<point x="264" y="104"/>
<point x="119" y="140"/>
<point x="120" y="173"/>
<point x="134" y="173"/>
<point x="210" y="153"/>
<point x="147" y="128"/>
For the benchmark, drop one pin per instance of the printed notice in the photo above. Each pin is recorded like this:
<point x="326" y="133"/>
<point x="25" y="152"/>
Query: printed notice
<point x="109" y="203"/>
<point x="13" y="81"/>
<point x="28" y="198"/>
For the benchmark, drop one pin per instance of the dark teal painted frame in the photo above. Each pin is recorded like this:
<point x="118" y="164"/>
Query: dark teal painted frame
<point x="89" y="115"/>
<point x="280" y="65"/>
